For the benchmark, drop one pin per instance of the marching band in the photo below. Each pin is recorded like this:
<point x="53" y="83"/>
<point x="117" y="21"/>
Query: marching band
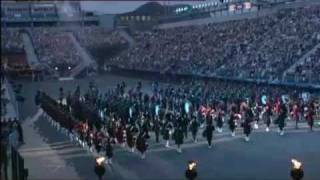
<point x="132" y="128"/>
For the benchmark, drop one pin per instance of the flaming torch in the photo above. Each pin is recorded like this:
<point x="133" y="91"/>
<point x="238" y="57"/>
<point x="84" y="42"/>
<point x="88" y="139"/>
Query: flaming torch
<point x="191" y="172"/>
<point x="99" y="168"/>
<point x="296" y="171"/>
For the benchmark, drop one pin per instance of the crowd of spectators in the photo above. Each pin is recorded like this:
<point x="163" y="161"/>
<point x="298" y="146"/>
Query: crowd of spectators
<point x="50" y="44"/>
<point x="259" y="48"/>
<point x="11" y="40"/>
<point x="295" y="33"/>
<point x="309" y="68"/>
<point x="55" y="48"/>
<point x="102" y="43"/>
<point x="94" y="36"/>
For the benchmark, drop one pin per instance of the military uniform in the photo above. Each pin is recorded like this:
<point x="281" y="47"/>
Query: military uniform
<point x="232" y="122"/>
<point x="247" y="123"/>
<point x="120" y="135"/>
<point x="208" y="133"/>
<point x="219" y="120"/>
<point x="309" y="117"/>
<point x="185" y="126"/>
<point x="295" y="114"/>
<point x="194" y="126"/>
<point x="268" y="115"/>
<point x="178" y="136"/>
<point x="109" y="151"/>
<point x="156" y="128"/>
<point x="281" y="118"/>
<point x="130" y="138"/>
<point x="167" y="128"/>
<point x="141" y="144"/>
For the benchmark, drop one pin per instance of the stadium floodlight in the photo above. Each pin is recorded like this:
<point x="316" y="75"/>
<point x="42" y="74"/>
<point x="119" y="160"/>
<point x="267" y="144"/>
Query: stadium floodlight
<point x="69" y="67"/>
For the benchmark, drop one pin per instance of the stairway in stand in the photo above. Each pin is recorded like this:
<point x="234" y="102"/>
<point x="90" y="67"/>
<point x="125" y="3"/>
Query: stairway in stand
<point x="292" y="68"/>
<point x="87" y="60"/>
<point x="126" y="36"/>
<point x="32" y="58"/>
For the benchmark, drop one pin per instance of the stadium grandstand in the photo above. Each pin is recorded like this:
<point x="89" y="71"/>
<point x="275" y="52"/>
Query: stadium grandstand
<point x="262" y="47"/>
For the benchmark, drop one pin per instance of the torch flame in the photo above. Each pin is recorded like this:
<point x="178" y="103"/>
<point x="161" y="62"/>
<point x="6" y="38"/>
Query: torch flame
<point x="192" y="165"/>
<point x="100" y="160"/>
<point x="296" y="164"/>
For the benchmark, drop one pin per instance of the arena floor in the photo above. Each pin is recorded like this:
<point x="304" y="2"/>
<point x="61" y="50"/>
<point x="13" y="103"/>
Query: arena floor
<point x="49" y="155"/>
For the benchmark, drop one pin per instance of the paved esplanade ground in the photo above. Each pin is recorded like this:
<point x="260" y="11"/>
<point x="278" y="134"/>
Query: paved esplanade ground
<point x="49" y="154"/>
